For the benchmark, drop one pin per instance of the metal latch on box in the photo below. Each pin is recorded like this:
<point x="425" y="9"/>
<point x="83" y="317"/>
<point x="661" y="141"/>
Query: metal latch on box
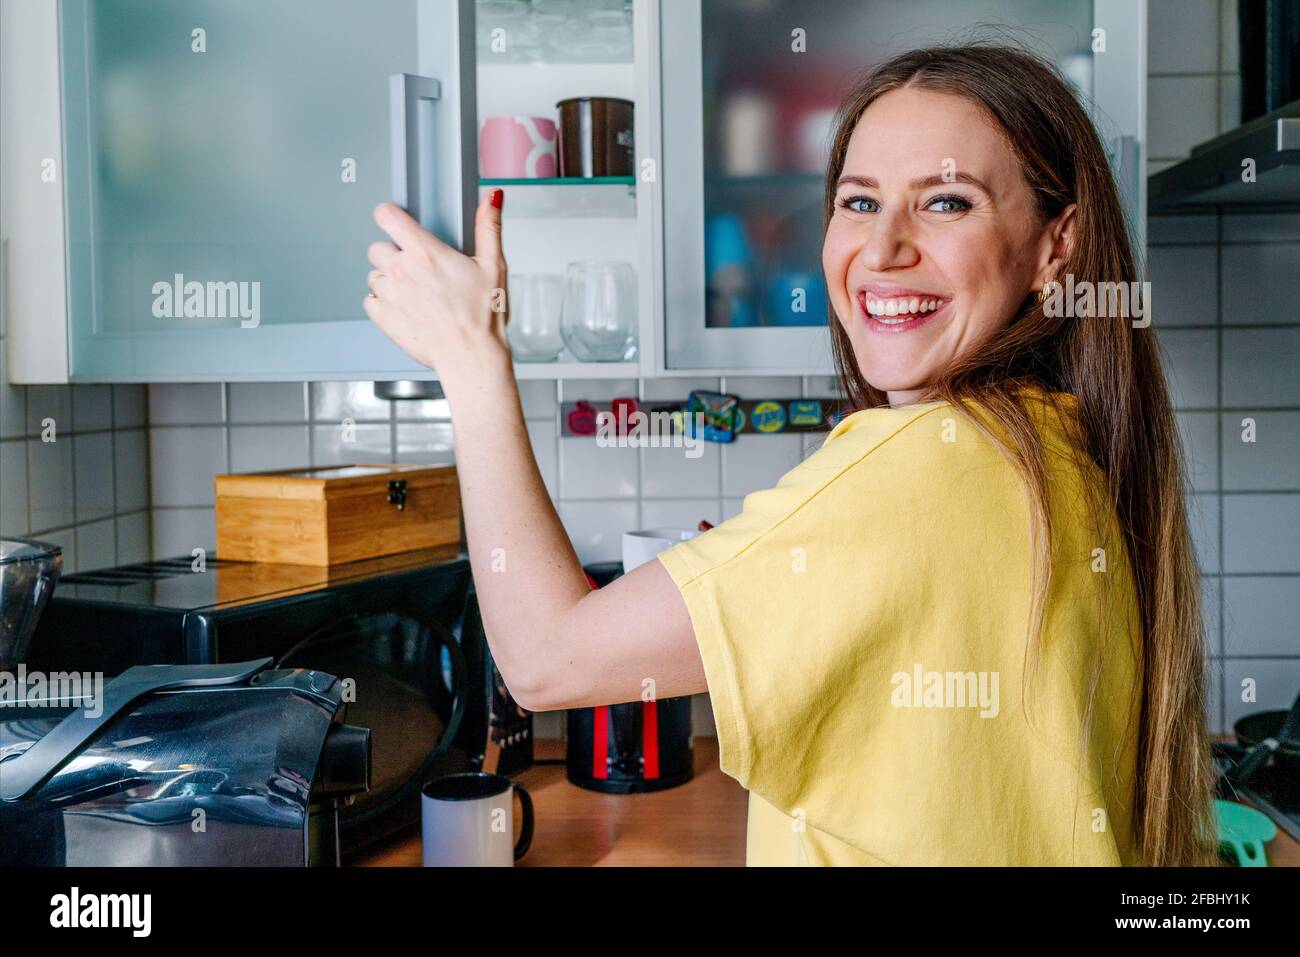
<point x="397" y="493"/>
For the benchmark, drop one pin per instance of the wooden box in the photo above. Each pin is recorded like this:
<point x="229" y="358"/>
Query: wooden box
<point x="335" y="514"/>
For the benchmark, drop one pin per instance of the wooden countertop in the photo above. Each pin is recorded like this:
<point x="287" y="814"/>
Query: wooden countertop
<point x="701" y="823"/>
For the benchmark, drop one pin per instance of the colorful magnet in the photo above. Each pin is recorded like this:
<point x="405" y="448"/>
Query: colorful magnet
<point x="768" y="416"/>
<point x="806" y="412"/>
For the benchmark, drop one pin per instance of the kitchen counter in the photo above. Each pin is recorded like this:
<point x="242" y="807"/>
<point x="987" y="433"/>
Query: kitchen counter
<point x="700" y="823"/>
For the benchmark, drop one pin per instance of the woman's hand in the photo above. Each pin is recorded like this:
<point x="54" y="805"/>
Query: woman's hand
<point x="444" y="309"/>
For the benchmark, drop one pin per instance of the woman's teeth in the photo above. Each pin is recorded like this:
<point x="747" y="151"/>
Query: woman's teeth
<point x="903" y="309"/>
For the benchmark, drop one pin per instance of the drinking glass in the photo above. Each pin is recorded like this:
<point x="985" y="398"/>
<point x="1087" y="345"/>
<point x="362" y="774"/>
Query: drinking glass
<point x="599" y="316"/>
<point x="534" y="327"/>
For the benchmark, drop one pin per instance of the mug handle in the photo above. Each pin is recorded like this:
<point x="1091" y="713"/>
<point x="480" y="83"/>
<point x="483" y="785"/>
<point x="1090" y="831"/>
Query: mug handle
<point x="526" y="831"/>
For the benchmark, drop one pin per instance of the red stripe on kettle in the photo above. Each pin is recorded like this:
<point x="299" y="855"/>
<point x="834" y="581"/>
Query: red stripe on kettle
<point x="600" y="742"/>
<point x="650" y="739"/>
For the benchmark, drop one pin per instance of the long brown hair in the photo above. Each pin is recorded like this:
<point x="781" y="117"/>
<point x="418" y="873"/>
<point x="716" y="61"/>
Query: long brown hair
<point x="1125" y="424"/>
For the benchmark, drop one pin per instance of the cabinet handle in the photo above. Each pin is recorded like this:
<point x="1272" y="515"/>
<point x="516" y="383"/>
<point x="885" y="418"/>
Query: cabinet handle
<point x="412" y="180"/>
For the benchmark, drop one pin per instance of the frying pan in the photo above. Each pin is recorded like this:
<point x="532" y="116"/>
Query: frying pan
<point x="1254" y="729"/>
<point x="1269" y="737"/>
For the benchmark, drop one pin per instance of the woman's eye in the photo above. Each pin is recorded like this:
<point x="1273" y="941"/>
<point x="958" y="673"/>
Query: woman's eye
<point x="949" y="204"/>
<point x="859" y="204"/>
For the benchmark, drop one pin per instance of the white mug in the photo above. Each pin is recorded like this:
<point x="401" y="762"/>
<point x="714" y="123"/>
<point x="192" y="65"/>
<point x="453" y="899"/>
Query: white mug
<point x="467" y="820"/>
<point x="641" y="546"/>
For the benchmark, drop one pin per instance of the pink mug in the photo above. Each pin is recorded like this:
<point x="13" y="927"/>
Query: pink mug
<point x="517" y="147"/>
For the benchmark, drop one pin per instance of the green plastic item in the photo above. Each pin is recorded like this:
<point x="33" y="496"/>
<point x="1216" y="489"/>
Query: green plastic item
<point x="1243" y="832"/>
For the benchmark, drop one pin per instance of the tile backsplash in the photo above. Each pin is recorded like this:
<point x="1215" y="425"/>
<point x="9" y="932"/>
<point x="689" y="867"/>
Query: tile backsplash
<point x="74" y="469"/>
<point x="1193" y="76"/>
<point x="1226" y="304"/>
<point x="1235" y="381"/>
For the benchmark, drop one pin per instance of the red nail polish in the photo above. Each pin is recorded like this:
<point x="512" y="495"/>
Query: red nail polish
<point x="498" y="195"/>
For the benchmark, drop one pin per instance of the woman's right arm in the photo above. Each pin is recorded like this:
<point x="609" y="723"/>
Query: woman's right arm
<point x="558" y="643"/>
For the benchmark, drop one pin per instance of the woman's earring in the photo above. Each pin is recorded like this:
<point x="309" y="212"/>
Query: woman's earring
<point x="1042" y="294"/>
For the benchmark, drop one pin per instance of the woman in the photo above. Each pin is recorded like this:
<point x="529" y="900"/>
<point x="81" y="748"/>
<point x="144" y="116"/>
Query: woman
<point x="966" y="630"/>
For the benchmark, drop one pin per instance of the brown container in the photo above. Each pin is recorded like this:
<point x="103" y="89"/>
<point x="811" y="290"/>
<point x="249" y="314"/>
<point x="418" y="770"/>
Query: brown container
<point x="336" y="514"/>
<point x="595" y="136"/>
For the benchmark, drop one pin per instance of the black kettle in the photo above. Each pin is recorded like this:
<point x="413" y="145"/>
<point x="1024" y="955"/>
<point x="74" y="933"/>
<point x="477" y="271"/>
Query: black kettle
<point x="631" y="747"/>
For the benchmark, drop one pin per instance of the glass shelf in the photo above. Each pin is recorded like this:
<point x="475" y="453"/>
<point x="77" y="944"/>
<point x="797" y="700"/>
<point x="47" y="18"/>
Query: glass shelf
<point x="569" y="197"/>
<point x="561" y="181"/>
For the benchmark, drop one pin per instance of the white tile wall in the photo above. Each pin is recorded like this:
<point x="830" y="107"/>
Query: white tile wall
<point x="1259" y="366"/>
<point x="1191" y="365"/>
<point x="1261" y="451"/>
<point x="1194" y="89"/>
<point x="1184" y="285"/>
<point x="1203" y="516"/>
<point x="183" y="461"/>
<point x="1226" y="289"/>
<point x="268" y="402"/>
<point x="1249" y="301"/>
<point x="590" y="471"/>
<point x="92" y="463"/>
<point x="1182" y="111"/>
<point x="342" y="444"/>
<point x="1199" y="431"/>
<point x="1184" y="36"/>
<point x="74" y="469"/>
<point x="257" y="448"/>
<point x="1260" y="533"/>
<point x="1261" y="615"/>
<point x="50" y="502"/>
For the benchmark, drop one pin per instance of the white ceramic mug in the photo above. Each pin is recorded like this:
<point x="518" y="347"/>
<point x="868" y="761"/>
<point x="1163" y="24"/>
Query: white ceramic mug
<point x="467" y="820"/>
<point x="641" y="546"/>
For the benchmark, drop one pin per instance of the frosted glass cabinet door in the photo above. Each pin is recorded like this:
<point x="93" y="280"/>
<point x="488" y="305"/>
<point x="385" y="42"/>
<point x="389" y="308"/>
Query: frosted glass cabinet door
<point x="223" y="158"/>
<point x="749" y="100"/>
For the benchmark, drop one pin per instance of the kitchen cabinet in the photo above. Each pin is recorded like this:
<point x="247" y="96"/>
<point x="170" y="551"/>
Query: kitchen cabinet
<point x="748" y="104"/>
<point x="218" y="162"/>
<point x="188" y="185"/>
<point x="211" y="166"/>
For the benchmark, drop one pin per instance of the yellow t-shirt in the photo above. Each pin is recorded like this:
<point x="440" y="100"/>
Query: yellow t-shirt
<point x="863" y="627"/>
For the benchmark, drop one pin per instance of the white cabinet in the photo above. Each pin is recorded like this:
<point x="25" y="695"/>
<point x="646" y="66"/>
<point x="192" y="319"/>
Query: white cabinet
<point x="214" y="171"/>
<point x="748" y="95"/>
<point x="187" y="184"/>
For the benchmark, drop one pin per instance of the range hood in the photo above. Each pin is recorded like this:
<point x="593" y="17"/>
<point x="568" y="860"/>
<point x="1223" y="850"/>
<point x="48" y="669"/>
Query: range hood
<point x="1212" y="176"/>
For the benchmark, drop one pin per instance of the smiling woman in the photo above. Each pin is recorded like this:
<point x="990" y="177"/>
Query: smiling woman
<point x="964" y="631"/>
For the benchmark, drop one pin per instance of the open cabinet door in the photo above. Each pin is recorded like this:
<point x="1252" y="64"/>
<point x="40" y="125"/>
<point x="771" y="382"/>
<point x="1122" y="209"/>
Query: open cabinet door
<point x="223" y="158"/>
